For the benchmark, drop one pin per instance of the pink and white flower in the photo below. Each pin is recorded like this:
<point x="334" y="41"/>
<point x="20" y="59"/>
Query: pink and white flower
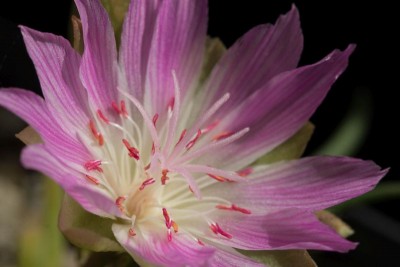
<point x="133" y="135"/>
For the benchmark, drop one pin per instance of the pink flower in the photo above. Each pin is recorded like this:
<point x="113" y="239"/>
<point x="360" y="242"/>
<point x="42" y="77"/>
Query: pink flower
<point x="135" y="135"/>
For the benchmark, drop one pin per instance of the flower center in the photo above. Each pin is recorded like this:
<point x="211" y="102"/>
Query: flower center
<point x="148" y="164"/>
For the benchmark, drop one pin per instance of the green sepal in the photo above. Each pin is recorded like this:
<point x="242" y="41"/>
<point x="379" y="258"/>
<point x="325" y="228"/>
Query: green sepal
<point x="116" y="9"/>
<point x="293" y="148"/>
<point x="282" y="258"/>
<point x="84" y="229"/>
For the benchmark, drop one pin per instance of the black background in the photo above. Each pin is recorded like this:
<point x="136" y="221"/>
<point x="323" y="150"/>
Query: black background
<point x="326" y="24"/>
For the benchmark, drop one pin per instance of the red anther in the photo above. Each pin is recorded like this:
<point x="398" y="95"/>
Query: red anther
<point x="164" y="176"/>
<point x="210" y="127"/>
<point x="153" y="149"/>
<point x="169" y="235"/>
<point x="190" y="189"/>
<point x="133" y="152"/>
<point x="147" y="167"/>
<point x="218" y="178"/>
<point x="146" y="183"/>
<point x="167" y="218"/>
<point x="217" y="230"/>
<point x="174" y="226"/>
<point x="233" y="207"/>
<point x="245" y="172"/>
<point x="214" y="228"/>
<point x="96" y="134"/>
<point x="115" y="107"/>
<point x="92" y="179"/>
<point x="93" y="165"/>
<point x="155" y="118"/>
<point x="222" y="136"/>
<point x="124" y="112"/>
<point x="182" y="136"/>
<point x="242" y="210"/>
<point x="131" y="232"/>
<point x="93" y="128"/>
<point x="200" y="242"/>
<point x="119" y="202"/>
<point x="171" y="103"/>
<point x="100" y="139"/>
<point x="101" y="116"/>
<point x="193" y="141"/>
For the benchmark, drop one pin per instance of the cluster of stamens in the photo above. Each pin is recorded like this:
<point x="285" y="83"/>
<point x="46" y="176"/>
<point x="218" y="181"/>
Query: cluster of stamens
<point x="163" y="161"/>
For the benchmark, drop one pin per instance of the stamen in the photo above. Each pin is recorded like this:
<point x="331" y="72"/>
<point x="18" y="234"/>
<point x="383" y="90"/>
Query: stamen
<point x="218" y="178"/>
<point x="167" y="218"/>
<point x="115" y="107"/>
<point x="233" y="207"/>
<point x="200" y="242"/>
<point x="96" y="134"/>
<point x="92" y="179"/>
<point x="222" y="136"/>
<point x="169" y="235"/>
<point x="174" y="226"/>
<point x="210" y="127"/>
<point x="181" y="137"/>
<point x="102" y="117"/>
<point x="123" y="108"/>
<point x="217" y="230"/>
<point x="131" y="232"/>
<point x="245" y="171"/>
<point x="193" y="141"/>
<point x="210" y="112"/>
<point x="155" y="118"/>
<point x="164" y="176"/>
<point x="93" y="165"/>
<point x="146" y="183"/>
<point x="147" y="120"/>
<point x="212" y="146"/>
<point x="119" y="202"/>
<point x="133" y="152"/>
<point x="171" y="104"/>
<point x="147" y="167"/>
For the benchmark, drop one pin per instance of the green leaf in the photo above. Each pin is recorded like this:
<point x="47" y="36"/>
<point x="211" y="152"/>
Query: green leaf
<point x="282" y="258"/>
<point x="350" y="135"/>
<point x="84" y="229"/>
<point x="293" y="148"/>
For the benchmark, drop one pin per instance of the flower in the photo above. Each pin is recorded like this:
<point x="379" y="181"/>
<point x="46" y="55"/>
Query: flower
<point x="138" y="136"/>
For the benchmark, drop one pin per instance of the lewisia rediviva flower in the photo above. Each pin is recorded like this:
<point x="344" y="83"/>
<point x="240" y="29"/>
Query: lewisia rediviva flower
<point x="141" y="137"/>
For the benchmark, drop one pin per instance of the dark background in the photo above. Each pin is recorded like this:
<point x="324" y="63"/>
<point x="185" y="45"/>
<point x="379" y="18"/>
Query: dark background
<point x="329" y="24"/>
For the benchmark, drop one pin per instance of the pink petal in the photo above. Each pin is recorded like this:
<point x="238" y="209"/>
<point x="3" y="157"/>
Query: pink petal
<point x="90" y="197"/>
<point x="280" y="108"/>
<point x="284" y="229"/>
<point x="57" y="65"/>
<point x="99" y="61"/>
<point x="136" y="39"/>
<point x="254" y="59"/>
<point x="177" y="45"/>
<point x="32" y="108"/>
<point x="312" y="184"/>
<point x="154" y="248"/>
